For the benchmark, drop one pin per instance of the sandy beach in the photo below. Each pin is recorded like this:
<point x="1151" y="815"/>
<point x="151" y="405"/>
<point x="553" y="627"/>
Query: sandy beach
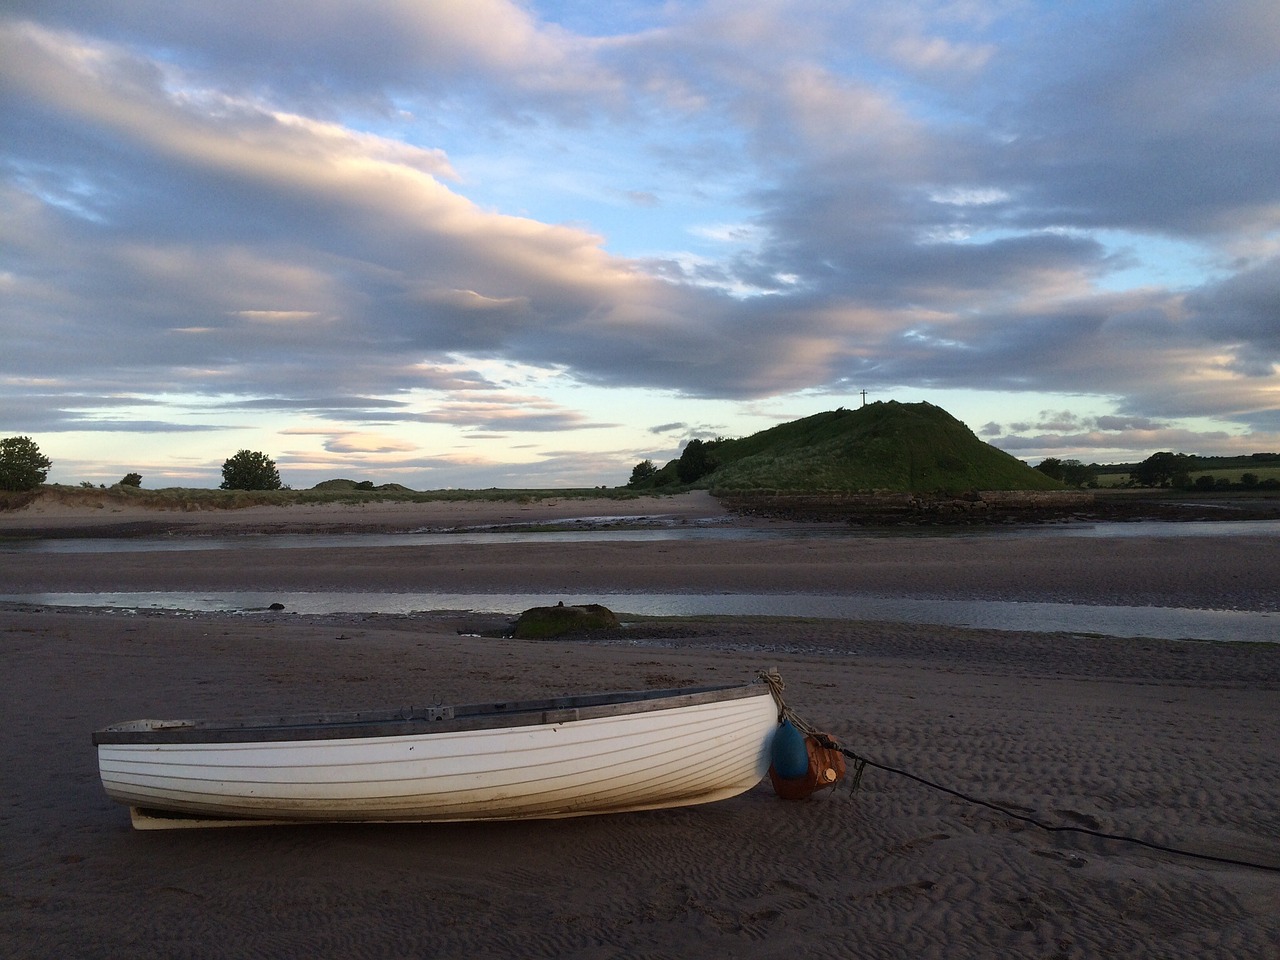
<point x="89" y="513"/>
<point x="1172" y="742"/>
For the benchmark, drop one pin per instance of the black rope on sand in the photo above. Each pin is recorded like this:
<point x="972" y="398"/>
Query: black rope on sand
<point x="861" y="763"/>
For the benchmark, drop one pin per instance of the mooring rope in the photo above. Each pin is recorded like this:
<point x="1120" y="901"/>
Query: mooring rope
<point x="774" y="681"/>
<point x="860" y="763"/>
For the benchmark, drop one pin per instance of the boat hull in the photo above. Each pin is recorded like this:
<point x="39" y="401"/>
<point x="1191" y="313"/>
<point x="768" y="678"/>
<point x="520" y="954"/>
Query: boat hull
<point x="545" y="763"/>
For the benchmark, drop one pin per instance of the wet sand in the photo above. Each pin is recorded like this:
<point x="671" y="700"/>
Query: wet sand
<point x="1172" y="742"/>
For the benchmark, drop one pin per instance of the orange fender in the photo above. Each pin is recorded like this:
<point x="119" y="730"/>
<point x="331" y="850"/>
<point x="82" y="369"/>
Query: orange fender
<point x="826" y="769"/>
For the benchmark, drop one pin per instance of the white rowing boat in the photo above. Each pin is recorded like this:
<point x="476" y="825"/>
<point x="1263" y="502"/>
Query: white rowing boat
<point x="565" y="757"/>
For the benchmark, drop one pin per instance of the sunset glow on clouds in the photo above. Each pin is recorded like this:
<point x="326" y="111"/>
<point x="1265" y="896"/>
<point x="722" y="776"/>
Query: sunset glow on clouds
<point x="530" y="244"/>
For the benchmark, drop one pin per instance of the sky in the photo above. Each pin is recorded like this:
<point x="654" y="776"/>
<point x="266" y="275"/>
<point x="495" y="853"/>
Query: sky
<point x="510" y="244"/>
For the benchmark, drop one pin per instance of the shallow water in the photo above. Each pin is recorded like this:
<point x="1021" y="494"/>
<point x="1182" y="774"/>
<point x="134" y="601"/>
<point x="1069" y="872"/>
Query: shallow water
<point x="1118" y="621"/>
<point x="639" y="530"/>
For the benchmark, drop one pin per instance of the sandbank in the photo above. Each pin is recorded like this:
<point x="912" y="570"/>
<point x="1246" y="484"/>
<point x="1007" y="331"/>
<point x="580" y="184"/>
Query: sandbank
<point x="1169" y="741"/>
<point x="98" y="514"/>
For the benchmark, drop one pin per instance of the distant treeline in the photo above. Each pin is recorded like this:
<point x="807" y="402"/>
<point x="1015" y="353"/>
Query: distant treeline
<point x="1195" y="462"/>
<point x="1257" y="471"/>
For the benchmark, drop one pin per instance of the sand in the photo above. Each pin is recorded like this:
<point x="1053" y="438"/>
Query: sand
<point x="90" y="513"/>
<point x="1173" y="742"/>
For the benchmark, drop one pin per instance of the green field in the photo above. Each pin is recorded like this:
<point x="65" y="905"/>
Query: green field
<point x="1118" y="476"/>
<point x="1234" y="475"/>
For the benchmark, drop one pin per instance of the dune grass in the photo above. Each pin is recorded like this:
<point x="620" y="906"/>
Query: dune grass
<point x="196" y="498"/>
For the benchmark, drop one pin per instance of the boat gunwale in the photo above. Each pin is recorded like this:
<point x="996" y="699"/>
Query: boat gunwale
<point x="413" y="721"/>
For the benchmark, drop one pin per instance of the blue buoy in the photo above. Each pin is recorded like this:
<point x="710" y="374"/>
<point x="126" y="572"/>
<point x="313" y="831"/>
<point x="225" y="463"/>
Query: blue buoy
<point x="790" y="755"/>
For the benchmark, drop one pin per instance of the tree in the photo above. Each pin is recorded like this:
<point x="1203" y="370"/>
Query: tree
<point x="250" y="470"/>
<point x="642" y="471"/>
<point x="1050" y="467"/>
<point x="22" y="465"/>
<point x="131" y="480"/>
<point x="1162" y="469"/>
<point x="1071" y="472"/>
<point x="695" y="462"/>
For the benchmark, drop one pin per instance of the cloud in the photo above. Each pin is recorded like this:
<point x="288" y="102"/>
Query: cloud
<point x="1241" y="313"/>
<point x="317" y="404"/>
<point x="240" y="206"/>
<point x="940" y="54"/>
<point x="1105" y="437"/>
<point x="316" y="54"/>
<point x="60" y="412"/>
<point x="1191" y="90"/>
<point x="367" y="443"/>
<point x="386" y="241"/>
<point x="507" y="413"/>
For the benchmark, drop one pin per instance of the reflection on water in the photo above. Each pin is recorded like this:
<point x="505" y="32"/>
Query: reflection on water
<point x="1119" y="621"/>
<point x="1160" y="622"/>
<point x="355" y="541"/>
<point x="596" y="530"/>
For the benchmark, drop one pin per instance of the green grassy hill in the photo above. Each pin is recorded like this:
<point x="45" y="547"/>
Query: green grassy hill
<point x="347" y="486"/>
<point x="881" y="447"/>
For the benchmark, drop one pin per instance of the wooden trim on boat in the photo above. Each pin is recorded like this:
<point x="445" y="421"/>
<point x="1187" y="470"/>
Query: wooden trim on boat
<point x="417" y="720"/>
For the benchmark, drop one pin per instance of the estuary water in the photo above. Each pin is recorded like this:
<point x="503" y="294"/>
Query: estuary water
<point x="1119" y="621"/>
<point x="1170" y="623"/>
<point x="639" y="530"/>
